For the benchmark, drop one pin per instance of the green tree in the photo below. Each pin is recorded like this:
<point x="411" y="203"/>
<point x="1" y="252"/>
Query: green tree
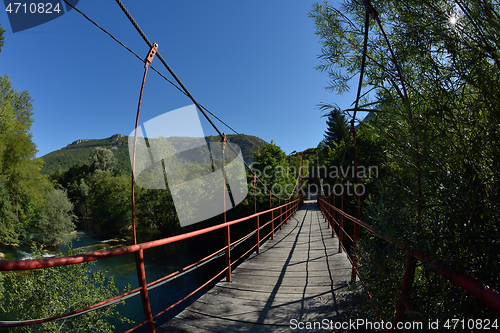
<point x="8" y="220"/>
<point x="271" y="166"/>
<point x="19" y="168"/>
<point x="109" y="200"/>
<point x="73" y="181"/>
<point x="103" y="160"/>
<point x="56" y="218"/>
<point x="446" y="132"/>
<point x="155" y="209"/>
<point x="337" y="130"/>
<point x="53" y="291"/>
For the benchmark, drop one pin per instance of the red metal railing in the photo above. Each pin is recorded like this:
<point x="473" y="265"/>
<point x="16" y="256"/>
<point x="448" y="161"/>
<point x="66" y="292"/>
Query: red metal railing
<point x="483" y="292"/>
<point x="285" y="212"/>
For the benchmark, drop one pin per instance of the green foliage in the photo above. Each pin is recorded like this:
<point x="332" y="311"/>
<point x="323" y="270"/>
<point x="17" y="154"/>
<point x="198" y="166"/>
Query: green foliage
<point x="80" y="152"/>
<point x="337" y="130"/>
<point x="249" y="144"/>
<point x="53" y="291"/>
<point x="155" y="209"/>
<point x="2" y="288"/>
<point x="73" y="181"/>
<point x="110" y="201"/>
<point x="8" y="219"/>
<point x="97" y="193"/>
<point x="23" y="185"/>
<point x="370" y="160"/>
<point x="102" y="196"/>
<point x="448" y="134"/>
<point x="103" y="160"/>
<point x="56" y="218"/>
<point x="271" y="166"/>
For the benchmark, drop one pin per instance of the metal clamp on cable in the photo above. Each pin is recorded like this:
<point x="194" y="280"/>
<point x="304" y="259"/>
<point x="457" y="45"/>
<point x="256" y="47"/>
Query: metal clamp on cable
<point x="151" y="55"/>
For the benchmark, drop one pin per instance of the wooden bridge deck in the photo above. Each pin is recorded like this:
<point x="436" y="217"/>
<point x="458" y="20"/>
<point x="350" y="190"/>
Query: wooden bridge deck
<point x="298" y="277"/>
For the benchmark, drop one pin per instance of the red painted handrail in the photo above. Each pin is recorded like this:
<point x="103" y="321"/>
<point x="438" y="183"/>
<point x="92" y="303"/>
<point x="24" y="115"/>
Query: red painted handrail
<point x="486" y="294"/>
<point x="287" y="209"/>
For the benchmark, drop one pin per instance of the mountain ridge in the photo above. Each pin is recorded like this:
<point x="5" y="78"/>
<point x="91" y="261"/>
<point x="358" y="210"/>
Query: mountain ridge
<point x="80" y="151"/>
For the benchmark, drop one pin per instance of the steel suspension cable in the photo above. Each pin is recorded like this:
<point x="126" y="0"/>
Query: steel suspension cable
<point x="145" y="38"/>
<point x="151" y="66"/>
<point x="353" y="133"/>
<point x="122" y="44"/>
<point x="164" y="77"/>
<point x="185" y="92"/>
<point x="375" y="16"/>
<point x="410" y="264"/>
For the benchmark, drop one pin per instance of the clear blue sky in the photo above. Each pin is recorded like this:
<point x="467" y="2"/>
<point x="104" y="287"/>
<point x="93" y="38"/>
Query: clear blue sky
<point x="250" y="62"/>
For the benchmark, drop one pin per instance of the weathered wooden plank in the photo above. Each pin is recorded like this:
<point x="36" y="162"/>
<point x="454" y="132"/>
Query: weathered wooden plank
<point x="299" y="275"/>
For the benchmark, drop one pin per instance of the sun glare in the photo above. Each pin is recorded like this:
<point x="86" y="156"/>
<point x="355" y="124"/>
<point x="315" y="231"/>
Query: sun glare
<point x="453" y="19"/>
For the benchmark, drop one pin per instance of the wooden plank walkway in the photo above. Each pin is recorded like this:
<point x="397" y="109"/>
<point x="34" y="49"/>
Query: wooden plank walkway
<point x="298" y="276"/>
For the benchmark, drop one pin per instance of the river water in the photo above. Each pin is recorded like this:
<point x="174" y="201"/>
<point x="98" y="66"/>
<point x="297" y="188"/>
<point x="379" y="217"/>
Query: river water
<point x="159" y="262"/>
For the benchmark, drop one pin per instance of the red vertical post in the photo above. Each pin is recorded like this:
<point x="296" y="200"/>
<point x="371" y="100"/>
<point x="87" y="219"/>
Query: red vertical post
<point x="407" y="283"/>
<point x="333" y="209"/>
<point x="341" y="217"/>
<point x="281" y="217"/>
<point x="330" y="221"/>
<point x="272" y="215"/>
<point x="227" y="239"/>
<point x="139" y="256"/>
<point x="332" y="212"/>
<point x="227" y="230"/>
<point x="257" y="233"/>
<point x="289" y="209"/>
<point x="141" y="275"/>
<point x="254" y="194"/>
<point x="329" y="211"/>
<point x="326" y="202"/>
<point x="326" y="209"/>
<point x="286" y="211"/>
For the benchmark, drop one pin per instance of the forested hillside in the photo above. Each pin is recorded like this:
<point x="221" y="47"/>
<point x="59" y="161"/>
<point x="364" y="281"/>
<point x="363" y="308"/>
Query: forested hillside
<point x="80" y="151"/>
